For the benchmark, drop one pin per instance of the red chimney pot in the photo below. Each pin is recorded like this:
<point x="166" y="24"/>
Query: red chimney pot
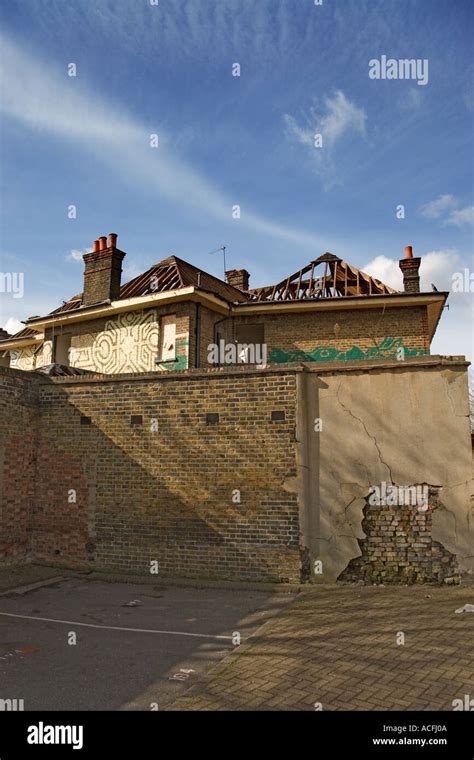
<point x="95" y="246"/>
<point x="112" y="240"/>
<point x="408" y="252"/>
<point x="102" y="243"/>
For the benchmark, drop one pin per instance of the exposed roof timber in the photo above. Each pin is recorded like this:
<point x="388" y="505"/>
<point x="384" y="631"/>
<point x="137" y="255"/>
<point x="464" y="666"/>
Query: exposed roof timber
<point x="338" y="279"/>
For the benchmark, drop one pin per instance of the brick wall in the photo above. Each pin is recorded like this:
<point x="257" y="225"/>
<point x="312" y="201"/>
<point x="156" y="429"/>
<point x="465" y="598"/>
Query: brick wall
<point x="128" y="342"/>
<point x="125" y="342"/>
<point x="170" y="495"/>
<point x="18" y="449"/>
<point x="370" y="330"/>
<point x="116" y="471"/>
<point x="399" y="546"/>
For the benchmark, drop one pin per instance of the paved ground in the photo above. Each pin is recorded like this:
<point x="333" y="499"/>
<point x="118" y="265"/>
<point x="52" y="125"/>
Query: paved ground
<point x="110" y="669"/>
<point x="337" y="646"/>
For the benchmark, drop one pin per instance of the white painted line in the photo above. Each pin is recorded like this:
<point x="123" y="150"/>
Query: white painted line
<point x="116" y="627"/>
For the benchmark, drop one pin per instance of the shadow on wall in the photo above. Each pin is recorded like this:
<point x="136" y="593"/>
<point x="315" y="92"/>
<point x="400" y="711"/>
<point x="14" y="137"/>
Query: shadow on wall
<point x="129" y="473"/>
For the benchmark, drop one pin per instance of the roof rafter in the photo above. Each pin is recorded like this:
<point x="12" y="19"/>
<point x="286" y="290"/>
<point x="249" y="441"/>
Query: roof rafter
<point x="338" y="279"/>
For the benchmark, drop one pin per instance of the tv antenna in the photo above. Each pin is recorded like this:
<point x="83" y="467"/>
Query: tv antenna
<point x="222" y="248"/>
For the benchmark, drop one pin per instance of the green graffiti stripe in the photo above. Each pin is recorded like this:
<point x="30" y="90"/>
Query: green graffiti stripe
<point x="387" y="348"/>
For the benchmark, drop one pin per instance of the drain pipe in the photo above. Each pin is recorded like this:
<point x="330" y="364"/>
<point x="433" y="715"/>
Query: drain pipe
<point x="197" y="332"/>
<point x="219" y="321"/>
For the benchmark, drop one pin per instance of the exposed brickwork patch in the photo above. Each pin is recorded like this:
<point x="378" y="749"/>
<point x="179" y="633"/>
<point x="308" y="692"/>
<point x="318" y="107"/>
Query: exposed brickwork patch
<point x="399" y="547"/>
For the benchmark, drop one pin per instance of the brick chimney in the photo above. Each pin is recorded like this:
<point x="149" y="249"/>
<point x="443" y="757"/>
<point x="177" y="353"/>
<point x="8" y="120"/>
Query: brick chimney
<point x="103" y="271"/>
<point x="239" y="278"/>
<point x="410" y="267"/>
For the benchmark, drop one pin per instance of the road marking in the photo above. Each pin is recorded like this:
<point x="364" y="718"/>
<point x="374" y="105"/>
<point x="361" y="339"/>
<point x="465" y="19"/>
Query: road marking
<point x="116" y="627"/>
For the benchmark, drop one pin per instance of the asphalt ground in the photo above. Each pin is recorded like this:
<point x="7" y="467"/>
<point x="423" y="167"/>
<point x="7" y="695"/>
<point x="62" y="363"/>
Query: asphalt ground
<point x="82" y="644"/>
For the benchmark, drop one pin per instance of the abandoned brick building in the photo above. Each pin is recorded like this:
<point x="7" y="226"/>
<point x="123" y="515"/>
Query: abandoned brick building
<point x="123" y="443"/>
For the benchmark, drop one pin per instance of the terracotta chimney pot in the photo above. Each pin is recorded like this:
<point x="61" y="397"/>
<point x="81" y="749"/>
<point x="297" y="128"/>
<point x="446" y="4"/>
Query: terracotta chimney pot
<point x="102" y="243"/>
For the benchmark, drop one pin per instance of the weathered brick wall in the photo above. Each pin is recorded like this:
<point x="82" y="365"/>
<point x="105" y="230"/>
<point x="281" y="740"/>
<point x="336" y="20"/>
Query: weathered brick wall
<point x="399" y="548"/>
<point x="18" y="448"/>
<point x="209" y="320"/>
<point x="128" y="342"/>
<point x="125" y="342"/>
<point x="328" y="335"/>
<point x="171" y="494"/>
<point x="249" y="495"/>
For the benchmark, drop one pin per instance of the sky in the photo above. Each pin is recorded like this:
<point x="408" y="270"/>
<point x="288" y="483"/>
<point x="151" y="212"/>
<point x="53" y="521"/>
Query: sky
<point x="236" y="93"/>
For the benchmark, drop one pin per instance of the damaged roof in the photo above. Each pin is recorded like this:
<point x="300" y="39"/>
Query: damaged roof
<point x="338" y="279"/>
<point x="325" y="277"/>
<point x="335" y="278"/>
<point x="172" y="273"/>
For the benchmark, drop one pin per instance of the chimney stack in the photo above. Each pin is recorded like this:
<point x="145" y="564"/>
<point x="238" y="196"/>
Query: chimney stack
<point x="239" y="278"/>
<point x="410" y="267"/>
<point x="103" y="271"/>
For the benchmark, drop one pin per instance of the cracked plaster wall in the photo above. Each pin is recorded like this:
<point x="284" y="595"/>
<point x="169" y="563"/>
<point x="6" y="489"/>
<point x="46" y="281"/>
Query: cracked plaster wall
<point x="402" y="425"/>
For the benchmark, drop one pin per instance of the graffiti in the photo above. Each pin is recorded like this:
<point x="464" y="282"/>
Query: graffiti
<point x="387" y="348"/>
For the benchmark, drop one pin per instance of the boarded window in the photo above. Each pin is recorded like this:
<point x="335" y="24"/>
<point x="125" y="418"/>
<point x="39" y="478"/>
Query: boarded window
<point x="250" y="338"/>
<point x="168" y="338"/>
<point x="62" y="344"/>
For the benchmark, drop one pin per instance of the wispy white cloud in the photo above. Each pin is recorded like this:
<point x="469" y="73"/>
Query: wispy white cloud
<point x="340" y="118"/>
<point x="48" y="101"/>
<point x="446" y="208"/>
<point x="76" y="255"/>
<point x="462" y="216"/>
<point x="435" y="209"/>
<point x="412" y="100"/>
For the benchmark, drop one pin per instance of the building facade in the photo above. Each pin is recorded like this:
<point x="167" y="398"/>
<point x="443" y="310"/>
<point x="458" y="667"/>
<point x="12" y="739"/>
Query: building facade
<point x="167" y="318"/>
<point x="341" y="451"/>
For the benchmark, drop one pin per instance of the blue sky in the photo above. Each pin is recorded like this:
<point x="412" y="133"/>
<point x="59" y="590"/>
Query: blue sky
<point x="226" y="140"/>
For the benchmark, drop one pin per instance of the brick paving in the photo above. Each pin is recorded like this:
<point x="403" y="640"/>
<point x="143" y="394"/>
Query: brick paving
<point x="338" y="646"/>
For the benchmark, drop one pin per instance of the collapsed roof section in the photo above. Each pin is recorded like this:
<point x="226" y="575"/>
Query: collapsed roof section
<point x="335" y="278"/>
<point x="327" y="278"/>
